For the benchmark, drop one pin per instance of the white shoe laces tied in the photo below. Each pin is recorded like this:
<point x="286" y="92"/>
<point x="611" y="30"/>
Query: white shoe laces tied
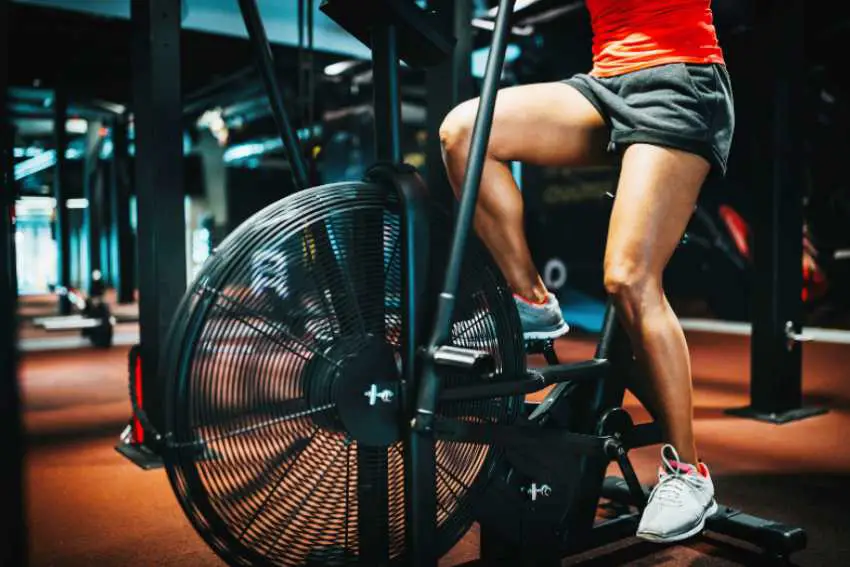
<point x="673" y="482"/>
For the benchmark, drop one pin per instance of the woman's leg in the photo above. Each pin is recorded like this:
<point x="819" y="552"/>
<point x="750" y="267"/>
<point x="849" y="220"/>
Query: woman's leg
<point x="657" y="192"/>
<point x="541" y="124"/>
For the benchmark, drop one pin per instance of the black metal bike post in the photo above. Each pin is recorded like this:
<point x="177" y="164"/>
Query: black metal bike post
<point x="591" y="399"/>
<point x="386" y="93"/>
<point x="776" y="392"/>
<point x="373" y="480"/>
<point x="475" y="167"/>
<point x="610" y="331"/>
<point x="300" y="98"/>
<point x="306" y="67"/>
<point x="449" y="83"/>
<point x="422" y="499"/>
<point x="429" y="387"/>
<point x="265" y="63"/>
<point x="387" y="126"/>
<point x="419" y="456"/>
<point x="310" y="66"/>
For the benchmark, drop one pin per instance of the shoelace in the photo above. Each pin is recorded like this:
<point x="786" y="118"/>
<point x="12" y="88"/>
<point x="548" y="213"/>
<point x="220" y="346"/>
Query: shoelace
<point x="673" y="483"/>
<point x="672" y="486"/>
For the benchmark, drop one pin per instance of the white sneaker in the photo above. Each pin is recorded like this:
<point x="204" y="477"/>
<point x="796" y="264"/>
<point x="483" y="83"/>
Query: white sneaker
<point x="541" y="320"/>
<point x="680" y="502"/>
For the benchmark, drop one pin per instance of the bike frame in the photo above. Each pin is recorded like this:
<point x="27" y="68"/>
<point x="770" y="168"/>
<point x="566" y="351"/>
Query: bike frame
<point x="605" y="432"/>
<point x="420" y="389"/>
<point x="425" y="428"/>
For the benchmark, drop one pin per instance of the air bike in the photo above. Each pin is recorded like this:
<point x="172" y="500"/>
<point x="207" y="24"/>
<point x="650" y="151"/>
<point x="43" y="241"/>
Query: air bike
<point x="364" y="403"/>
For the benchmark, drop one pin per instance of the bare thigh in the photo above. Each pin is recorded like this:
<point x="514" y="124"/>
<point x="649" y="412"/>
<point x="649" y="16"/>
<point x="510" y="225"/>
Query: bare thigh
<point x="656" y="195"/>
<point x="544" y="124"/>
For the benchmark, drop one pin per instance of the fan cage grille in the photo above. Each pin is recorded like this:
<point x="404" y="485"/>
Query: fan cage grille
<point x="259" y="457"/>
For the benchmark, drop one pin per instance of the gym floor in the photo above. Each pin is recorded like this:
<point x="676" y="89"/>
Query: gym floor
<point x="88" y="506"/>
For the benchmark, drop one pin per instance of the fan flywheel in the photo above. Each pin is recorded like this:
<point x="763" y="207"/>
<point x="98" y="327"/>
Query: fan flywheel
<point x="284" y="383"/>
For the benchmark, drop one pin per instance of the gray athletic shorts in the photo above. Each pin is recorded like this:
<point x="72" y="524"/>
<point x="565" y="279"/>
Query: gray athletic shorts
<point x="684" y="106"/>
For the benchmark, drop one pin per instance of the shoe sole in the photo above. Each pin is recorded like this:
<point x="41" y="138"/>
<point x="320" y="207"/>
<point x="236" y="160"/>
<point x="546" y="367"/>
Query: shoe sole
<point x="683" y="536"/>
<point x="559" y="331"/>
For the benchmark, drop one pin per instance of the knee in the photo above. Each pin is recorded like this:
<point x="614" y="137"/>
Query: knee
<point x="631" y="286"/>
<point x="456" y="129"/>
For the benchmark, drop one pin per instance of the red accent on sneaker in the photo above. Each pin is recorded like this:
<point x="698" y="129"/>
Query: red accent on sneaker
<point x="683" y="467"/>
<point x="531" y="302"/>
<point x="701" y="469"/>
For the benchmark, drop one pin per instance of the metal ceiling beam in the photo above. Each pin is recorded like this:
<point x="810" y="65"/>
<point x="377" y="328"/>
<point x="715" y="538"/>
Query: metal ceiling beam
<point x="39" y="101"/>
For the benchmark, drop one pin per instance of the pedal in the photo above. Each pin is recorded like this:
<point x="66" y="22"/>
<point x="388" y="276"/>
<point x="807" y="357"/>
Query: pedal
<point x="467" y="359"/>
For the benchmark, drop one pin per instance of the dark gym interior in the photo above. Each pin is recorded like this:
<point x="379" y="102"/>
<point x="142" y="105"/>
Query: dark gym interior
<point x="144" y="141"/>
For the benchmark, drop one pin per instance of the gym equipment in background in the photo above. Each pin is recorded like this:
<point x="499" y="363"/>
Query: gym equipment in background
<point x="567" y="215"/>
<point x="93" y="318"/>
<point x="132" y="442"/>
<point x="368" y="409"/>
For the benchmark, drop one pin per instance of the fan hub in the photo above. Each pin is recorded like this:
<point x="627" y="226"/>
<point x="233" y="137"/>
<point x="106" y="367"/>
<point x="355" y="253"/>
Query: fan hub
<point x="367" y="394"/>
<point x="360" y="377"/>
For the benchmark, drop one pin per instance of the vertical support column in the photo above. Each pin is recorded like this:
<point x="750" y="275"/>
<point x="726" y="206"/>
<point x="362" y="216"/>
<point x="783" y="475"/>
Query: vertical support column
<point x="385" y="87"/>
<point x="13" y="540"/>
<point x="103" y="178"/>
<point x="448" y="84"/>
<point x="60" y="193"/>
<point x="368" y="273"/>
<point x="91" y="214"/>
<point x="124" y="254"/>
<point x="158" y="116"/>
<point x="387" y="109"/>
<point x="776" y="354"/>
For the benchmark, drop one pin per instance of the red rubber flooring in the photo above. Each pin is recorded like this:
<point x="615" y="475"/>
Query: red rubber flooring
<point x="88" y="506"/>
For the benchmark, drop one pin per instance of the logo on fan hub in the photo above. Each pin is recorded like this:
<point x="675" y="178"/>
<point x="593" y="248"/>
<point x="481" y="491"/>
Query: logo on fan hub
<point x="536" y="490"/>
<point x="374" y="395"/>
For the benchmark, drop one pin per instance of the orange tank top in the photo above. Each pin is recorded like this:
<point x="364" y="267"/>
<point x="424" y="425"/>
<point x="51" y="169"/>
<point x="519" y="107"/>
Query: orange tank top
<point x="629" y="35"/>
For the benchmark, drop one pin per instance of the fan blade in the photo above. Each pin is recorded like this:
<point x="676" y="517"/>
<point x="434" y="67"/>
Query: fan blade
<point x="260" y="482"/>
